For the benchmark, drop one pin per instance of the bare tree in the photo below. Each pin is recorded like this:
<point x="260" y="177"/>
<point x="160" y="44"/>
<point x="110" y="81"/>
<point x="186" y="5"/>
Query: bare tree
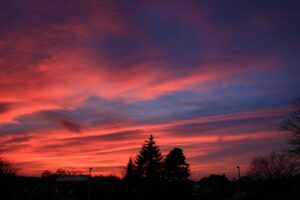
<point x="7" y="168"/>
<point x="275" y="166"/>
<point x="292" y="125"/>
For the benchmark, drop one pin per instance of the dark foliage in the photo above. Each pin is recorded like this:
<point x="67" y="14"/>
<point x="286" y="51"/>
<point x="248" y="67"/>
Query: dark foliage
<point x="174" y="167"/>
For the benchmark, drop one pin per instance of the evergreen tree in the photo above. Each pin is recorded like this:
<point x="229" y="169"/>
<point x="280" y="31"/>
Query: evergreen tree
<point x="130" y="170"/>
<point x="175" y="168"/>
<point x="148" y="160"/>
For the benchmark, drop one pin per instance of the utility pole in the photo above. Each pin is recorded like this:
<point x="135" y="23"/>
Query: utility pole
<point x="239" y="172"/>
<point x="90" y="170"/>
<point x="89" y="184"/>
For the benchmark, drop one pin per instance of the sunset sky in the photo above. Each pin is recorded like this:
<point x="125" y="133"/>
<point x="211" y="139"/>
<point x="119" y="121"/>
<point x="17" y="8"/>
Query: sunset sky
<point x="84" y="82"/>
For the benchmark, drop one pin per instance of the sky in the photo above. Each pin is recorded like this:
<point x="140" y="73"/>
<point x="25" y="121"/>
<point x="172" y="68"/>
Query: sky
<point x="84" y="82"/>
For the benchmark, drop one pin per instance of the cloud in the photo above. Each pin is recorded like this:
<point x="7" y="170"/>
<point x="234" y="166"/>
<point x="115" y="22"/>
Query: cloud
<point x="4" y="107"/>
<point x="41" y="121"/>
<point x="17" y="139"/>
<point x="223" y="157"/>
<point x="115" y="71"/>
<point x="75" y="127"/>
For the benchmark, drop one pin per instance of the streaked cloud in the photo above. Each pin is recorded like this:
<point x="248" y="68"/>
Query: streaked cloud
<point x="83" y="83"/>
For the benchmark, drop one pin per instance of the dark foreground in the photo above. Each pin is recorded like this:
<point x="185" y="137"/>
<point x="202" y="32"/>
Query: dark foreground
<point x="87" y="188"/>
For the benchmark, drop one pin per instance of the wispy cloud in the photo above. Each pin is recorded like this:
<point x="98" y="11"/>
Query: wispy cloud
<point x="80" y="79"/>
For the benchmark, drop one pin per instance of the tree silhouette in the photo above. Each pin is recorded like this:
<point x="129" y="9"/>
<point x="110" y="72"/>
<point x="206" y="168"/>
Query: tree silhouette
<point x="292" y="125"/>
<point x="46" y="173"/>
<point x="174" y="167"/>
<point x="67" y="172"/>
<point x="130" y="170"/>
<point x="7" y="168"/>
<point x="276" y="166"/>
<point x="148" y="160"/>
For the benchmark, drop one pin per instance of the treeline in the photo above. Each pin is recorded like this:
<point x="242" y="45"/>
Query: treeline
<point x="150" y="175"/>
<point x="148" y="165"/>
<point x="62" y="172"/>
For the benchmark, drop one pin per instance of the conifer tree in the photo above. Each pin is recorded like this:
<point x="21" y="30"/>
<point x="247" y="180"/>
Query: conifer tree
<point x="148" y="160"/>
<point x="130" y="170"/>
